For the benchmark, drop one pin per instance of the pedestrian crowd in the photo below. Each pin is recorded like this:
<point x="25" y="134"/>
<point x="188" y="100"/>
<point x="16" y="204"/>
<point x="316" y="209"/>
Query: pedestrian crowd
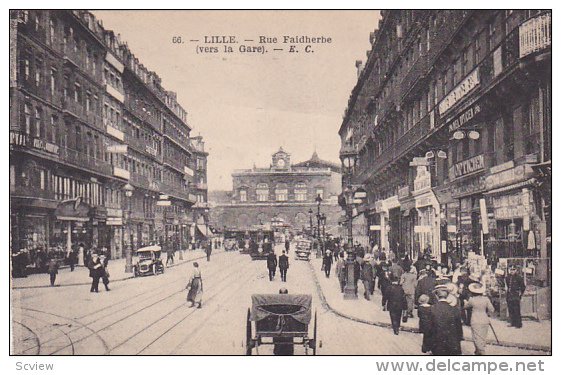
<point x="445" y="299"/>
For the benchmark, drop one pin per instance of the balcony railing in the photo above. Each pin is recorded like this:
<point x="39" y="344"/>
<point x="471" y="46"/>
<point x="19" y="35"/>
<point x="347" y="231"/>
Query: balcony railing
<point x="174" y="163"/>
<point x="121" y="173"/>
<point x="535" y="34"/>
<point x="82" y="160"/>
<point x="73" y="107"/>
<point x="175" y="191"/>
<point x="31" y="192"/>
<point x="140" y="181"/>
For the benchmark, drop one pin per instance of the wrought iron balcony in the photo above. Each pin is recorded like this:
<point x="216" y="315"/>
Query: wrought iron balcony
<point x="535" y="34"/>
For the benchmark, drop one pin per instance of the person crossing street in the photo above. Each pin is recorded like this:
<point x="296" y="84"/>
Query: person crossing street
<point x="283" y="266"/>
<point x="272" y="265"/>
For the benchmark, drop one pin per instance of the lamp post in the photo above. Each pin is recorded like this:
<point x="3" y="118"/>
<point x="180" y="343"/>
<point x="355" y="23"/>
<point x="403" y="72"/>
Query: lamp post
<point x="318" y="217"/>
<point x="129" y="189"/>
<point x="310" y="213"/>
<point x="348" y="156"/>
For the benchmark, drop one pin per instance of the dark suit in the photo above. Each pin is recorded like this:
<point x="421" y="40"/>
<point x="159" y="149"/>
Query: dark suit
<point x="272" y="265"/>
<point x="425" y="286"/>
<point x="446" y="329"/>
<point x="515" y="290"/>
<point x="283" y="266"/>
<point x="395" y="304"/>
<point x="327" y="262"/>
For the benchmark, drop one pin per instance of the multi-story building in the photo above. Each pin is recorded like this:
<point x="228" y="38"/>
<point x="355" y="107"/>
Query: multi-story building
<point x="451" y="119"/>
<point x="100" y="152"/>
<point x="282" y="194"/>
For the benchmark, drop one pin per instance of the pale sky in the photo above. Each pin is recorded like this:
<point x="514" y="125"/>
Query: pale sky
<point x="247" y="106"/>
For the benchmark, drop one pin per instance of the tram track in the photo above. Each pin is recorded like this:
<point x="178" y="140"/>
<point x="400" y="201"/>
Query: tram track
<point x="197" y="326"/>
<point x="37" y="346"/>
<point x="50" y="324"/>
<point x="143" y="309"/>
<point x="110" y="311"/>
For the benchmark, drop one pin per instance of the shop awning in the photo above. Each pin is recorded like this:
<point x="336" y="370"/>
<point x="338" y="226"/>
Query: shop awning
<point x="519" y="185"/>
<point x="73" y="210"/>
<point x="202" y="229"/>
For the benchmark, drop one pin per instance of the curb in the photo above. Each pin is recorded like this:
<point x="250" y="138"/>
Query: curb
<point x="328" y="307"/>
<point x="112" y="280"/>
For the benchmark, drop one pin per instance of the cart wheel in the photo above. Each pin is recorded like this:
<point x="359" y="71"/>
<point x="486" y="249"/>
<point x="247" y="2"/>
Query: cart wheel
<point x="315" y="332"/>
<point x="248" y="342"/>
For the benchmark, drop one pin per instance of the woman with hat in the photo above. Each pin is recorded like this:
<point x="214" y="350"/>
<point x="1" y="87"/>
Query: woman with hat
<point x="481" y="308"/>
<point x="195" y="287"/>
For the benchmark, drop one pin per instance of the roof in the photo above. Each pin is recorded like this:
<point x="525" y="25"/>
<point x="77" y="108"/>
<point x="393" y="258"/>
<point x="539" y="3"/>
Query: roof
<point x="316" y="162"/>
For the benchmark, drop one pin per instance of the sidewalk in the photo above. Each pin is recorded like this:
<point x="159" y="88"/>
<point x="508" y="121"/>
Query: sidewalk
<point x="80" y="275"/>
<point x="533" y="335"/>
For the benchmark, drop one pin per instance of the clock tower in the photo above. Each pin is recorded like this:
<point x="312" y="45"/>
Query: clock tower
<point x="281" y="160"/>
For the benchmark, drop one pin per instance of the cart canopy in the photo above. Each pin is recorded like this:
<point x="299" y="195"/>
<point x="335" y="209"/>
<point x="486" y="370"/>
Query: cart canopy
<point x="149" y="249"/>
<point x="298" y="306"/>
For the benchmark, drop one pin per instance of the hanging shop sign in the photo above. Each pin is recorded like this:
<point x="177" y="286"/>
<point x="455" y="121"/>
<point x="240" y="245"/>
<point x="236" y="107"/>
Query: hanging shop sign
<point x="422" y="180"/>
<point x="461" y="90"/>
<point x="467" y="167"/>
<point x="465" y="117"/>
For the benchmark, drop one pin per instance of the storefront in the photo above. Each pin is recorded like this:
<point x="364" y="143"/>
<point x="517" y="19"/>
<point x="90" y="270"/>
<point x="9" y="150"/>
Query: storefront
<point x="408" y="216"/>
<point x="383" y="208"/>
<point x="73" y="223"/>
<point x="516" y="223"/>
<point x="111" y="233"/>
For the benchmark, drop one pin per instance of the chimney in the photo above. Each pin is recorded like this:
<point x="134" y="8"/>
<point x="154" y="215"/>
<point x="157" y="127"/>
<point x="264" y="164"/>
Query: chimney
<point x="358" y="64"/>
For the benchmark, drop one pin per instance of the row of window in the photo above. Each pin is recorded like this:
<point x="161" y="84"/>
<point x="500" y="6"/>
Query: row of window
<point x="281" y="193"/>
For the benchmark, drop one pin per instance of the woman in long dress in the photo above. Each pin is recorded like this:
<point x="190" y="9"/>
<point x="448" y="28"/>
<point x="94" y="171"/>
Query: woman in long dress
<point x="480" y="322"/>
<point x="195" y="287"/>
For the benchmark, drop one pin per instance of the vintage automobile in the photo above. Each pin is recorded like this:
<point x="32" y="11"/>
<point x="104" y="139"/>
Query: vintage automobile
<point x="149" y="261"/>
<point x="303" y="249"/>
<point x="280" y="319"/>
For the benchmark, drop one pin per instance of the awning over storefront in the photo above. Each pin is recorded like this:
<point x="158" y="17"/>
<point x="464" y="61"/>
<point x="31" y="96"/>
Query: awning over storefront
<point x="73" y="210"/>
<point x="519" y="185"/>
<point x="202" y="229"/>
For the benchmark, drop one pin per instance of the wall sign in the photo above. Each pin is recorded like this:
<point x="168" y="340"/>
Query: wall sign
<point x="466" y="167"/>
<point x="461" y="90"/>
<point x="465" y="117"/>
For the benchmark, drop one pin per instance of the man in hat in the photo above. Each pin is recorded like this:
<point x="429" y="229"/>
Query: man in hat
<point x="409" y="283"/>
<point x="367" y="276"/>
<point x="283" y="265"/>
<point x="327" y="263"/>
<point x="341" y="272"/>
<point x="515" y="288"/>
<point x="446" y="325"/>
<point x="425" y="285"/>
<point x="272" y="264"/>
<point x="396" y="303"/>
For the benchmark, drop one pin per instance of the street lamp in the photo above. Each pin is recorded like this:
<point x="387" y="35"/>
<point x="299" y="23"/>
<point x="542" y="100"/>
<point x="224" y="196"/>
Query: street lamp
<point x="310" y="213"/>
<point x="129" y="189"/>
<point x="348" y="156"/>
<point x="318" y="217"/>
